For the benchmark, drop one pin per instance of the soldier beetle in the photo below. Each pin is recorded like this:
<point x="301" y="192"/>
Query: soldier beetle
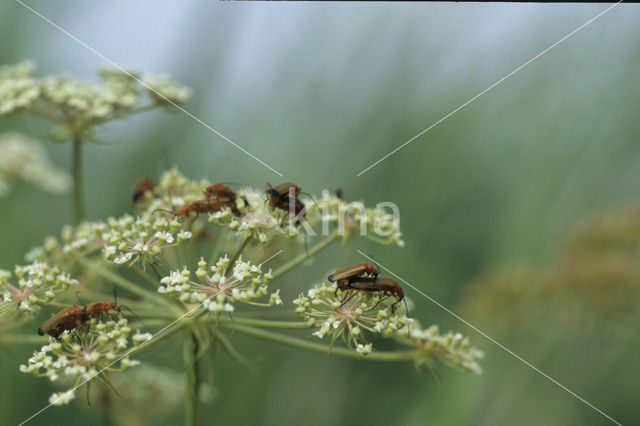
<point x="277" y="194"/>
<point x="279" y="197"/>
<point x="73" y="317"/>
<point x="338" y="192"/>
<point x="66" y="320"/>
<point x="361" y="270"/>
<point x="225" y="195"/>
<point x="143" y="186"/>
<point x="383" y="284"/>
<point x="222" y="193"/>
<point x="97" y="309"/>
<point x="200" y="207"/>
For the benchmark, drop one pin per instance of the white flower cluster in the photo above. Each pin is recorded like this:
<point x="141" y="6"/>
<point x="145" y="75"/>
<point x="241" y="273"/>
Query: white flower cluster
<point x="451" y="348"/>
<point x="258" y="219"/>
<point x="349" y="315"/>
<point x="354" y="218"/>
<point x="172" y="192"/>
<point x="74" y="242"/>
<point x="218" y="287"/>
<point x="123" y="240"/>
<point x="175" y="191"/>
<point x="18" y="90"/>
<point x="22" y="159"/>
<point x="84" y="355"/>
<point x="78" y="104"/>
<point x="163" y="89"/>
<point x="128" y="239"/>
<point x="37" y="282"/>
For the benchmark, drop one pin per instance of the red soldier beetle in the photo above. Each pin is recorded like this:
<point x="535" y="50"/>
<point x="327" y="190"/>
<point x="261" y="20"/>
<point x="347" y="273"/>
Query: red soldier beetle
<point x="361" y="270"/>
<point x="382" y="284"/>
<point x="200" y="207"/>
<point x="279" y="197"/>
<point x="66" y="320"/>
<point x="143" y="186"/>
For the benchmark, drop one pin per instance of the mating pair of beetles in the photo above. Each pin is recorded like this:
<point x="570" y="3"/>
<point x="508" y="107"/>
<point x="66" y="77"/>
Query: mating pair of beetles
<point x="73" y="317"/>
<point x="364" y="277"/>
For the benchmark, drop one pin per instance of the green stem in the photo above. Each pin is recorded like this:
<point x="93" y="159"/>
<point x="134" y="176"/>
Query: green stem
<point x="193" y="383"/>
<point x="157" y="273"/>
<point x="154" y="284"/>
<point x="127" y="114"/>
<point x="215" y="254"/>
<point x="304" y="256"/>
<point x="23" y="339"/>
<point x="78" y="191"/>
<point x="291" y="325"/>
<point x="100" y="270"/>
<point x="239" y="252"/>
<point x="319" y="347"/>
<point x="54" y="305"/>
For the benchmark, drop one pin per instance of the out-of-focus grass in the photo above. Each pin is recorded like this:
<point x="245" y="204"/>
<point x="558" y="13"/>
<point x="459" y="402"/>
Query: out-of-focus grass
<point x="322" y="92"/>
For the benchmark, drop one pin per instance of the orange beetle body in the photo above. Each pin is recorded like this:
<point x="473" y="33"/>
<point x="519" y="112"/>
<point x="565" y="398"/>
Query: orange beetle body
<point x="67" y="319"/>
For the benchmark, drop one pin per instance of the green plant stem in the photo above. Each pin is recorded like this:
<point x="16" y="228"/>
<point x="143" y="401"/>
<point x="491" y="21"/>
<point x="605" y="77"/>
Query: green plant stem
<point x="335" y="235"/>
<point x="23" y="339"/>
<point x="192" y="398"/>
<point x="78" y="191"/>
<point x="128" y="114"/>
<point x="54" y="305"/>
<point x="154" y="284"/>
<point x="239" y="252"/>
<point x="157" y="273"/>
<point x="318" y="347"/>
<point x="291" y="325"/>
<point x="218" y="247"/>
<point x="116" y="279"/>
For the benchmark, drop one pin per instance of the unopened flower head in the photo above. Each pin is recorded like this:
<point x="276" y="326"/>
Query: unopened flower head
<point x="73" y="243"/>
<point x="452" y="349"/>
<point x="349" y="315"/>
<point x="219" y="287"/>
<point x="81" y="356"/>
<point x="33" y="284"/>
<point x="160" y="387"/>
<point x="22" y="159"/>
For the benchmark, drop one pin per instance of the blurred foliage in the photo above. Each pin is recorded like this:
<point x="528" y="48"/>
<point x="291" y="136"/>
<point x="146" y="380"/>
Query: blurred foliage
<point x="320" y="92"/>
<point x="597" y="273"/>
<point x="581" y="308"/>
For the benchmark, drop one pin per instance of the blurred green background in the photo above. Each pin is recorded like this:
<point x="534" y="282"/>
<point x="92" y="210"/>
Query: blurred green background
<point x="320" y="92"/>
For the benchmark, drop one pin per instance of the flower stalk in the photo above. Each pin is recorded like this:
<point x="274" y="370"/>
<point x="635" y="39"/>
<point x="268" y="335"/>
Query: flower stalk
<point x="192" y="397"/>
<point x="333" y="237"/>
<point x="77" y="198"/>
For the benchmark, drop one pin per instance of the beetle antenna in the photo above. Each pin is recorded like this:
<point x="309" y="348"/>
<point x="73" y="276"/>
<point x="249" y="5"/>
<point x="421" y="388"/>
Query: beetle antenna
<point x="78" y="296"/>
<point x="406" y="308"/>
<point x="374" y="262"/>
<point x="312" y="199"/>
